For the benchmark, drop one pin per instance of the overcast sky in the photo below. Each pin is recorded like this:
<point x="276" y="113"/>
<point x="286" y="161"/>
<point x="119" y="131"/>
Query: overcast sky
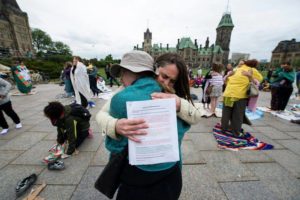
<point x="96" y="28"/>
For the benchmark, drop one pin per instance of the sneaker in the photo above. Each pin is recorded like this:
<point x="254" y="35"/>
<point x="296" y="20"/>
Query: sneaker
<point x="57" y="165"/>
<point x="92" y="104"/>
<point x="4" y="131"/>
<point x="19" y="125"/>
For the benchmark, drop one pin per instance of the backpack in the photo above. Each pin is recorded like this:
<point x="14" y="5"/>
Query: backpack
<point x="78" y="110"/>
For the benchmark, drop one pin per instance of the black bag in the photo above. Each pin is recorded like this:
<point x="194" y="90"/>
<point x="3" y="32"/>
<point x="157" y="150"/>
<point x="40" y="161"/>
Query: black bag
<point x="80" y="111"/>
<point x="109" y="179"/>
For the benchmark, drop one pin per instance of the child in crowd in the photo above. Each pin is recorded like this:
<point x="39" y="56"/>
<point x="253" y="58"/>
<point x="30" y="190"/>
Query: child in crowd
<point x="216" y="83"/>
<point x="5" y="105"/>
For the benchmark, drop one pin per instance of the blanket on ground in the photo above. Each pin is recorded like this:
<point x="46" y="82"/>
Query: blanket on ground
<point x="226" y="140"/>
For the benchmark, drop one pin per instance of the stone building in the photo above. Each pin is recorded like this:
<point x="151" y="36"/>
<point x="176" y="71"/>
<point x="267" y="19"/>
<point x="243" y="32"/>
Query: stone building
<point x="236" y="57"/>
<point x="194" y="54"/>
<point x="15" y="33"/>
<point x="286" y="50"/>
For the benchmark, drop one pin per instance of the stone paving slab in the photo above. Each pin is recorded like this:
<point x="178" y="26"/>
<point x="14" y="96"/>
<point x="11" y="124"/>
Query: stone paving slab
<point x="189" y="155"/>
<point x="24" y="141"/>
<point x="35" y="154"/>
<point x="248" y="156"/>
<point x="51" y="136"/>
<point x="266" y="139"/>
<point x="285" y="126"/>
<point x="293" y="145"/>
<point x="287" y="159"/>
<point x="44" y="126"/>
<point x="250" y="190"/>
<point x="198" y="183"/>
<point x="225" y="166"/>
<point x="7" y="156"/>
<point x="72" y="174"/>
<point x="202" y="141"/>
<point x="277" y="179"/>
<point x="101" y="156"/>
<point x="294" y="134"/>
<point x="11" y="175"/>
<point x="86" y="189"/>
<point x="91" y="144"/>
<point x="57" y="192"/>
<point x="273" y="133"/>
<point x="13" y="132"/>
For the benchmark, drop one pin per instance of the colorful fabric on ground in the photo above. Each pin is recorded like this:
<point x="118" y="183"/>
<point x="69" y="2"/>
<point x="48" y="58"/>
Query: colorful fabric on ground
<point x="227" y="141"/>
<point x="55" y="153"/>
<point x="22" y="78"/>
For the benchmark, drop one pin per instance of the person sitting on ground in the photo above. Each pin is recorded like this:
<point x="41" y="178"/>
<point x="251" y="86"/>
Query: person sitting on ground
<point x="71" y="126"/>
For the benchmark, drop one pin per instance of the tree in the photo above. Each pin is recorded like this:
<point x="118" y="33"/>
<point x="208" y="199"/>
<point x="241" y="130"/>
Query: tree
<point x="61" y="48"/>
<point x="41" y="40"/>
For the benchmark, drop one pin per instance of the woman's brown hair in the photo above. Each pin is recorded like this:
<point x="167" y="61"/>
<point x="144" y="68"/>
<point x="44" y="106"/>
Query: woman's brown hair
<point x="251" y="63"/>
<point x="181" y="86"/>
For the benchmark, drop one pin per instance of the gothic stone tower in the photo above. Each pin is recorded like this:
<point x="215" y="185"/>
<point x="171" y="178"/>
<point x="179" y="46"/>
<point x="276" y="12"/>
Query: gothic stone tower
<point x="147" y="45"/>
<point x="224" y="30"/>
<point x="15" y="33"/>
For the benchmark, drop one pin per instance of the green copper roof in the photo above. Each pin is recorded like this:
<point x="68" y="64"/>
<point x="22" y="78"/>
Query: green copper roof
<point x="156" y="48"/>
<point x="218" y="49"/>
<point x="186" y="43"/>
<point x="205" y="51"/>
<point x="226" y="21"/>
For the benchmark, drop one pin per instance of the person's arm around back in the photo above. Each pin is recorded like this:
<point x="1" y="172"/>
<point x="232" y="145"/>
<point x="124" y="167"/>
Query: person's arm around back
<point x="111" y="126"/>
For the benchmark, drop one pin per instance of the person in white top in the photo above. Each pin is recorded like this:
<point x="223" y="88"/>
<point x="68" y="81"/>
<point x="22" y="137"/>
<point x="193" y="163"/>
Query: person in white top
<point x="199" y="72"/>
<point x="80" y="82"/>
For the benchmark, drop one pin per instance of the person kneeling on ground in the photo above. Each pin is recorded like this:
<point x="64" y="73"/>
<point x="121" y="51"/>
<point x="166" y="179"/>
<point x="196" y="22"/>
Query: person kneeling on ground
<point x="72" y="122"/>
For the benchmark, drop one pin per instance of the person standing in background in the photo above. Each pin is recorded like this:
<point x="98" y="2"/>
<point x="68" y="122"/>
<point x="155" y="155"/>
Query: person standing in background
<point x="81" y="84"/>
<point x="67" y="79"/>
<point x="5" y="105"/>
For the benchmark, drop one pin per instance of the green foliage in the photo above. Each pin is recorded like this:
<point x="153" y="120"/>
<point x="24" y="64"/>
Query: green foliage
<point x="61" y="48"/>
<point x="44" y="45"/>
<point x="41" y="40"/>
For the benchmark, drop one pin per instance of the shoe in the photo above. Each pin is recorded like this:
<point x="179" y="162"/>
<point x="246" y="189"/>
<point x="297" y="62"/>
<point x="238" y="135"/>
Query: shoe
<point x="57" y="165"/>
<point x="4" y="131"/>
<point x="91" y="104"/>
<point x="24" y="184"/>
<point x="19" y="125"/>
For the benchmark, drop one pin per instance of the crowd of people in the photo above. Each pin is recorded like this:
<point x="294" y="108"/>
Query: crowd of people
<point x="144" y="78"/>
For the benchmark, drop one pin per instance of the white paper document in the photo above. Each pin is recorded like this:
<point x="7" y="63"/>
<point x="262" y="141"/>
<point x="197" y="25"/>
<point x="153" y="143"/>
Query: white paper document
<point x="160" y="145"/>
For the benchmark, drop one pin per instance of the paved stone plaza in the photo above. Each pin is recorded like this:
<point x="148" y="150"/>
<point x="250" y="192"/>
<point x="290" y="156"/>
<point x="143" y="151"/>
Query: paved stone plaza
<point x="208" y="172"/>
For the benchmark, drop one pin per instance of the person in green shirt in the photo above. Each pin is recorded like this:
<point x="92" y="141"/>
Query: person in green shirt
<point x="282" y="86"/>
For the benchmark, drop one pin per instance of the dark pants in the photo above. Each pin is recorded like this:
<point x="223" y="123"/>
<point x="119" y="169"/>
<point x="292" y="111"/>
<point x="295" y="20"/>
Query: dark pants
<point x="84" y="101"/>
<point x="137" y="184"/>
<point x="93" y="85"/>
<point x="235" y="115"/>
<point x="81" y="137"/>
<point x="284" y="94"/>
<point x="7" y="108"/>
<point x="274" y="98"/>
<point x="111" y="79"/>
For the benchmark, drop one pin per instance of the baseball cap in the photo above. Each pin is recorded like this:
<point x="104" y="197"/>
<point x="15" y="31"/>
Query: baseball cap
<point x="135" y="61"/>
